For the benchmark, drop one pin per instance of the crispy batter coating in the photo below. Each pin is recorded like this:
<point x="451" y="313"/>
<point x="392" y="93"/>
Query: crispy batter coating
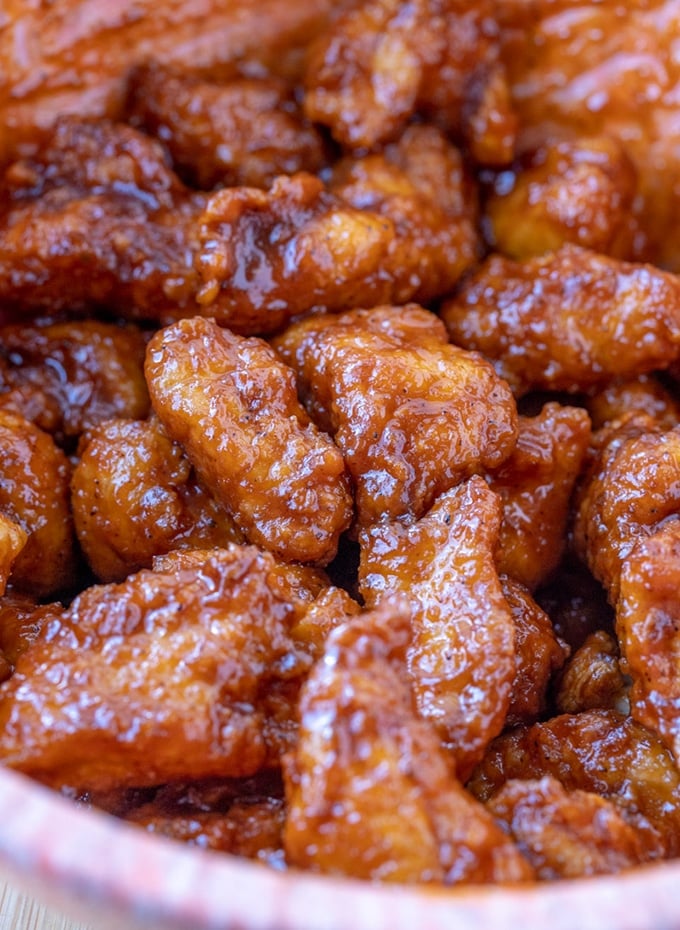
<point x="577" y="69"/>
<point x="566" y="834"/>
<point x="34" y="493"/>
<point x="232" y="405"/>
<point x="539" y="654"/>
<point x="593" y="678"/>
<point x="412" y="414"/>
<point x="385" y="60"/>
<point x="164" y="677"/>
<point x="568" y="321"/>
<point x="578" y="191"/>
<point x="69" y="376"/>
<point x="598" y="751"/>
<point x="622" y="396"/>
<point x="632" y="487"/>
<point x="80" y="53"/>
<point x="247" y="131"/>
<point x="648" y="626"/>
<point x="535" y="484"/>
<point x="370" y="791"/>
<point x="462" y="655"/>
<point x="134" y="495"/>
<point x="389" y="228"/>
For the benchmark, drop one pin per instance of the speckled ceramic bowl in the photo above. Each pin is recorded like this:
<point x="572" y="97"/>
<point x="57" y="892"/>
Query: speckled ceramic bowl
<point x="118" y="877"/>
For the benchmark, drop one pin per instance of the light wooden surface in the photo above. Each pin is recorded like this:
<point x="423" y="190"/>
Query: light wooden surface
<point x="20" y="912"/>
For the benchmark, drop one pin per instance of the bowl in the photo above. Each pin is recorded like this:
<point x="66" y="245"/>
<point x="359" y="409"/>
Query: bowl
<point x="118" y="877"/>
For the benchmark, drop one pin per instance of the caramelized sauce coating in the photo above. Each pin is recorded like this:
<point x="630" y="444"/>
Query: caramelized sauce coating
<point x="412" y="414"/>
<point x="461" y="658"/>
<point x="361" y="747"/>
<point x="246" y="131"/>
<point x="593" y="678"/>
<point x="164" y="677"/>
<point x="232" y="406"/>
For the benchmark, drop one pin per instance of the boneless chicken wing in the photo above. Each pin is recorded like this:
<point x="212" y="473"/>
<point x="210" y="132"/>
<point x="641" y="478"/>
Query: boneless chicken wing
<point x="232" y="405"/>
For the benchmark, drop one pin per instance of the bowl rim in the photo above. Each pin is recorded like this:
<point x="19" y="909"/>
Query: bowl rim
<point x="87" y="858"/>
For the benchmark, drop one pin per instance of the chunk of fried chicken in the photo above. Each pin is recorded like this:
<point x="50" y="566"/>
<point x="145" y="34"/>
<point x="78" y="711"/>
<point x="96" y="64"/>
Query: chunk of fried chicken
<point x="165" y="677"/>
<point x="535" y="484"/>
<point x="389" y="228"/>
<point x="566" y="834"/>
<point x="12" y="540"/>
<point x="370" y="792"/>
<point x="412" y="414"/>
<point x="81" y="52"/>
<point x="568" y="321"/>
<point x="577" y="69"/>
<point x="601" y="752"/>
<point x="593" y="678"/>
<point x="622" y="396"/>
<point x="580" y="191"/>
<point x="34" y="494"/>
<point x="232" y="405"/>
<point x="134" y="495"/>
<point x="246" y="131"/>
<point x="461" y="658"/>
<point x="66" y="377"/>
<point x="385" y="61"/>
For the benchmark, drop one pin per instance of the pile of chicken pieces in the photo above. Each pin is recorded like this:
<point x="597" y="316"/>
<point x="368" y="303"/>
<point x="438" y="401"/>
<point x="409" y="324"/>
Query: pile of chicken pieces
<point x="340" y="430"/>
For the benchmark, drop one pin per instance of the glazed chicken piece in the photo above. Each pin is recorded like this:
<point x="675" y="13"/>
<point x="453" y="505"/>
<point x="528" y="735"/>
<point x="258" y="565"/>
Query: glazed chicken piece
<point x="245" y="132"/>
<point x="593" y="678"/>
<point x="579" y="191"/>
<point x="412" y="414"/>
<point x="12" y="540"/>
<point x="600" y="752"/>
<point x="578" y="69"/>
<point x="34" y="494"/>
<point x="66" y="377"/>
<point x="185" y="672"/>
<point x="568" y="321"/>
<point x="566" y="834"/>
<point x="232" y="405"/>
<point x="361" y="747"/>
<point x="385" y="61"/>
<point x="622" y="396"/>
<point x="539" y="654"/>
<point x="461" y="658"/>
<point x="134" y="495"/>
<point x="535" y="484"/>
<point x="81" y="52"/>
<point x="388" y="228"/>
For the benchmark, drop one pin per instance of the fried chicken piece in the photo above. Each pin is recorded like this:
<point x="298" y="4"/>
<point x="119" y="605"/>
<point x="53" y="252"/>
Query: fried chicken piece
<point x="593" y="679"/>
<point x="247" y="131"/>
<point x="601" y="752"/>
<point x="412" y="414"/>
<point x="69" y="376"/>
<point x="34" y="493"/>
<point x="389" y="228"/>
<point x="622" y="396"/>
<point x="12" y="540"/>
<point x="577" y="69"/>
<point x="535" y="484"/>
<point x="632" y="488"/>
<point x="370" y="792"/>
<point x="566" y="834"/>
<point x="164" y="677"/>
<point x="232" y="405"/>
<point x="134" y="495"/>
<point x="249" y="824"/>
<point x="648" y="626"/>
<point x="385" y="61"/>
<point x="76" y="57"/>
<point x="539" y="654"/>
<point x="461" y="658"/>
<point x="568" y="321"/>
<point x="579" y="191"/>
